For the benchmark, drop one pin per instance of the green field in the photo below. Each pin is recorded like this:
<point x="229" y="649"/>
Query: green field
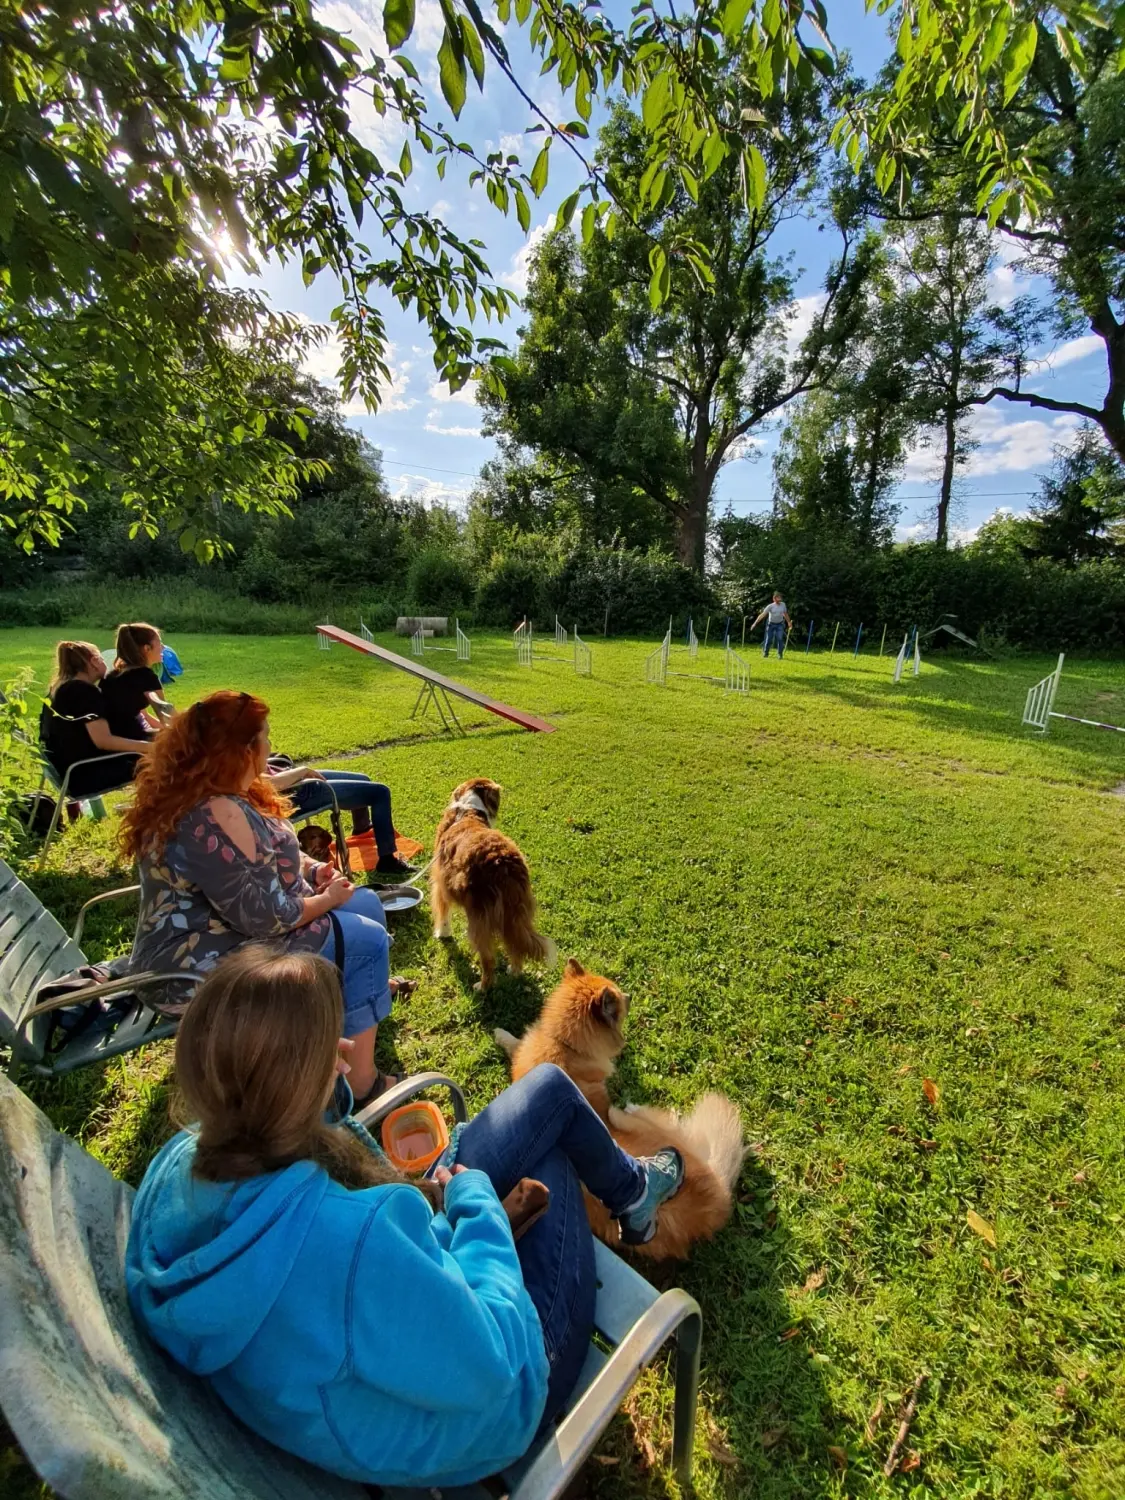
<point x="819" y="896"/>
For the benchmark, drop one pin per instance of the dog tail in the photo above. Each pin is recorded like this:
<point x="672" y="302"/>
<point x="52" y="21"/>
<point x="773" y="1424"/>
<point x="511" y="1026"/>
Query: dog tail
<point x="505" y="1041"/>
<point x="713" y="1130"/>
<point x="524" y="942"/>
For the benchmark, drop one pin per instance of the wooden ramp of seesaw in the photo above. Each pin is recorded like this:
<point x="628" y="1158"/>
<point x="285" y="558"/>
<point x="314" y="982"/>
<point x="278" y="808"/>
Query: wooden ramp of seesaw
<point x="502" y="710"/>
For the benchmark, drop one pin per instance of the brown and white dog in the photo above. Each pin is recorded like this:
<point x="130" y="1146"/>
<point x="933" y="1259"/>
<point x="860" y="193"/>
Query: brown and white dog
<point x="580" y="1030"/>
<point x="483" y="872"/>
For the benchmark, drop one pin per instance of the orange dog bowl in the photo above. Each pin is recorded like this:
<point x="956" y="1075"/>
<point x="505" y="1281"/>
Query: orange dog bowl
<point x="415" y="1135"/>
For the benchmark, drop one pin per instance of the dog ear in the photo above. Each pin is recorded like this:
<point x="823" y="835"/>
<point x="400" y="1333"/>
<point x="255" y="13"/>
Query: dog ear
<point x="574" y="969"/>
<point x="609" y="1003"/>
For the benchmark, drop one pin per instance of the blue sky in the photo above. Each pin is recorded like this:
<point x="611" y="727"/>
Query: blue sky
<point x="431" y="441"/>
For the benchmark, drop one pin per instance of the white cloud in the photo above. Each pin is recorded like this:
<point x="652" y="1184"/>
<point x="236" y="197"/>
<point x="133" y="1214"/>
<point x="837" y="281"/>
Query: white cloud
<point x="1007" y="444"/>
<point x="517" y="273"/>
<point x="323" y="363"/>
<point x="1069" y="353"/>
<point x="466" y="396"/>
<point x="1005" y="283"/>
<point x="800" y="315"/>
<point x="430" y="491"/>
<point x="433" y="424"/>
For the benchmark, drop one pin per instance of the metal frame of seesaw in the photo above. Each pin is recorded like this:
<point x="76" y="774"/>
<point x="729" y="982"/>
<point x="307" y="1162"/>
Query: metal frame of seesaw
<point x="433" y="683"/>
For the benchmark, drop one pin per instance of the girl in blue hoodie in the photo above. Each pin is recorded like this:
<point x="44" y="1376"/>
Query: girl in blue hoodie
<point x="392" y="1332"/>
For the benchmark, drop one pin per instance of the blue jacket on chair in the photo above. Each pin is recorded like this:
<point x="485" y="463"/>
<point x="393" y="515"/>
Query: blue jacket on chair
<point x="356" y="1329"/>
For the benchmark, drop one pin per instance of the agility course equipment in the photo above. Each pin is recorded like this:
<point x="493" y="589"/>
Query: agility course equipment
<point x="736" y="669"/>
<point x="461" y="648"/>
<point x="562" y="640"/>
<point x="464" y="645"/>
<point x="1039" y="709"/>
<point x="436" y="688"/>
<point x="363" y="630"/>
<point x="522" y="641"/>
<point x="737" y="673"/>
<point x="903" y="653"/>
<point x="656" y="662"/>
<point x="583" y="656"/>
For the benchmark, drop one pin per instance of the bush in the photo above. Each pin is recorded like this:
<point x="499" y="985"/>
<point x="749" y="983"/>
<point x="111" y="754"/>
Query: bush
<point x="1039" y="605"/>
<point x="438" y="582"/>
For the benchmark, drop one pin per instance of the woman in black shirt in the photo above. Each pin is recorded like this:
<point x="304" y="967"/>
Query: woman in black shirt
<point x="133" y="687"/>
<point x="73" y="725"/>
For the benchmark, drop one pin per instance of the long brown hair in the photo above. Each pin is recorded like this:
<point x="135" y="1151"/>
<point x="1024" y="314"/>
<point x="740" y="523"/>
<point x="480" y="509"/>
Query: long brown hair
<point x="200" y="754"/>
<point x="254" y="1056"/>
<point x="71" y="658"/>
<point x="132" y="643"/>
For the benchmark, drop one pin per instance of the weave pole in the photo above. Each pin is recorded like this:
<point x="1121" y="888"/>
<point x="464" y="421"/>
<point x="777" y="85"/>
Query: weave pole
<point x="808" y="642"/>
<point x="835" y="633"/>
<point x="858" y="638"/>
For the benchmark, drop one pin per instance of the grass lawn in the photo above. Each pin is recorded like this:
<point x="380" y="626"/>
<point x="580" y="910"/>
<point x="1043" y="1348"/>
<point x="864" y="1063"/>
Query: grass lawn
<point x="821" y="897"/>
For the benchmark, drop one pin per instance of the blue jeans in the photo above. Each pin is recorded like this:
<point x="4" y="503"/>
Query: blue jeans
<point x="357" y="793"/>
<point x="775" y="636"/>
<point x="543" y="1127"/>
<point x="366" y="979"/>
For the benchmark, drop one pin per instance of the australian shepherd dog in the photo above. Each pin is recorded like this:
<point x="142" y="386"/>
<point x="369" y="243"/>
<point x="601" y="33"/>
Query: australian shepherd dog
<point x="483" y="872"/>
<point x="580" y="1029"/>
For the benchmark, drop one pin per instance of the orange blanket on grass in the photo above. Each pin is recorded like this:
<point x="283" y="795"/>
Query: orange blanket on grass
<point x="363" y="855"/>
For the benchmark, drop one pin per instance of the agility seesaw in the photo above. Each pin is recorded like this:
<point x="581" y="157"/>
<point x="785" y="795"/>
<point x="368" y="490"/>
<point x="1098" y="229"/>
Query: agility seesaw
<point x="435" y="688"/>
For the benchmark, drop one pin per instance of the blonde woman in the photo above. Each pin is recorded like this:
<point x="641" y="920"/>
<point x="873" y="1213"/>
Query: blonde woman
<point x="74" y="725"/>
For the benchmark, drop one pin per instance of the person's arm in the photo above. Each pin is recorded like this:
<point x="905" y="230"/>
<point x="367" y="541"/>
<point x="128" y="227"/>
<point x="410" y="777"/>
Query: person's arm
<point x="761" y="617"/>
<point x="239" y="876"/>
<point x="99" y="732"/>
<point x="788" y="621"/>
<point x="445" y="1286"/>
<point x="284" y="780"/>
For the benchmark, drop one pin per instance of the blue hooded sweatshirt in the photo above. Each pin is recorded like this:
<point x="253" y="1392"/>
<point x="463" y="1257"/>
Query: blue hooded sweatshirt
<point x="359" y="1330"/>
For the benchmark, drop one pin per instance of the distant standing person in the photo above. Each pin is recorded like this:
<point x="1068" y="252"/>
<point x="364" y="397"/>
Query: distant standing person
<point x="776" y="616"/>
<point x="133" y="688"/>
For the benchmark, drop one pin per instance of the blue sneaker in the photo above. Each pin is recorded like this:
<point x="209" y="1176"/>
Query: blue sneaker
<point x="664" y="1173"/>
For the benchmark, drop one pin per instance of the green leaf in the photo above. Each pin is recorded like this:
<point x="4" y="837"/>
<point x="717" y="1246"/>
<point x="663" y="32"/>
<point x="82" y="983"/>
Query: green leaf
<point x="566" y="211"/>
<point x="1071" y="49"/>
<point x="287" y="162"/>
<point x="1019" y="57"/>
<point x="994" y="42"/>
<point x="299" y="426"/>
<point x="538" y="178"/>
<point x="713" y="153"/>
<point x="236" y="66"/>
<point x="473" y="49"/>
<point x="398" y="22"/>
<point x="406" y="161"/>
<point x="691" y="182"/>
<point x="582" y="102"/>
<point x="657" y="101"/>
<point x="661" y="281"/>
<point x="755" y="177"/>
<point x="733" y="18"/>
<point x="589" y="222"/>
<point x="996" y="209"/>
<point x="187" y="539"/>
<point x="765" y="75"/>
<point x="452" y="73"/>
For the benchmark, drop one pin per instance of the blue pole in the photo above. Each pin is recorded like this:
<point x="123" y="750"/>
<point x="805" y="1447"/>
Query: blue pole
<point x="858" y="638"/>
<point x="808" y="643"/>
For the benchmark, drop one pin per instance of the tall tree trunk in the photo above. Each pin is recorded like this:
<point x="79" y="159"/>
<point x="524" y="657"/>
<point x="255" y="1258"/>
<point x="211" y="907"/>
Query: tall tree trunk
<point x="947" y="468"/>
<point x="871" y="480"/>
<point x="691" y="533"/>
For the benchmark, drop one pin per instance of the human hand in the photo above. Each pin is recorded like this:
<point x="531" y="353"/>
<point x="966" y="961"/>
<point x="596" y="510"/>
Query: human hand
<point x="344" y="1049"/>
<point x="309" y="773"/>
<point x="338" y="890"/>
<point x="443" y="1174"/>
<point x="325" y="872"/>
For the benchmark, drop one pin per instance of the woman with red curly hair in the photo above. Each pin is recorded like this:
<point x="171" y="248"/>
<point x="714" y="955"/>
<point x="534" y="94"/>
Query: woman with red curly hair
<point x="221" y="867"/>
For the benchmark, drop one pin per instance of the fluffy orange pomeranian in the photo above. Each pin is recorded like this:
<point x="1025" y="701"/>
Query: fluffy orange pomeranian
<point x="580" y="1030"/>
<point x="483" y="872"/>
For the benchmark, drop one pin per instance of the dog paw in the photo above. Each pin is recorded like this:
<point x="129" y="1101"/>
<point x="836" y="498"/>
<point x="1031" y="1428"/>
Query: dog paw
<point x="482" y="987"/>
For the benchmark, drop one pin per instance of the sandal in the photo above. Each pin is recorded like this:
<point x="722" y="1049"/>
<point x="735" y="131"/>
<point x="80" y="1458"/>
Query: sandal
<point x="402" y="988"/>
<point x="383" y="1082"/>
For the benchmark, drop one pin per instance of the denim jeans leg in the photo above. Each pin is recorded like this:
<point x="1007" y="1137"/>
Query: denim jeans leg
<point x="545" y="1110"/>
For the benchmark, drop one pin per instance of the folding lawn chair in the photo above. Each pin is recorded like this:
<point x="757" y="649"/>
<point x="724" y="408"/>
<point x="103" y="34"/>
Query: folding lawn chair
<point x="34" y="951"/>
<point x="103" y="1414"/>
<point x="61" y="784"/>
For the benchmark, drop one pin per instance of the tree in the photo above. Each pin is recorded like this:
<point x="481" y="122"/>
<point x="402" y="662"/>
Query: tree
<point x="1026" y="118"/>
<point x="842" y="450"/>
<point x="1080" y="509"/>
<point x="661" y="392"/>
<point x="952" y="335"/>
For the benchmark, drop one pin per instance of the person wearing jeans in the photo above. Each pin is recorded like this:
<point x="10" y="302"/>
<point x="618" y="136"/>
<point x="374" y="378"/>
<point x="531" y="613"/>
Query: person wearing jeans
<point x="390" y="1331"/>
<point x="369" y="803"/>
<point x="543" y="1127"/>
<point x="778" y="623"/>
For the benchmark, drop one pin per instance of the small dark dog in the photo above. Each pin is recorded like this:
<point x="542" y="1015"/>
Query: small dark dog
<point x="316" y="842"/>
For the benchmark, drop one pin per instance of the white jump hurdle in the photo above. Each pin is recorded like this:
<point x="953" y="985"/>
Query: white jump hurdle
<point x="464" y="645"/>
<point x="737" y="672"/>
<point x="562" y="640"/>
<point x="692" y="641"/>
<point x="418" y="643"/>
<point x="322" y="641"/>
<point x="365" y="634"/>
<point x="583" y="656"/>
<point x="900" y="659"/>
<point x="1039" y="709"/>
<point x="656" y="663"/>
<point x="524" y="643"/>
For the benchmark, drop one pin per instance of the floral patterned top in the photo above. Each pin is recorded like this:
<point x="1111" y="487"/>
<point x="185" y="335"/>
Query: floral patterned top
<point x="203" y="898"/>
